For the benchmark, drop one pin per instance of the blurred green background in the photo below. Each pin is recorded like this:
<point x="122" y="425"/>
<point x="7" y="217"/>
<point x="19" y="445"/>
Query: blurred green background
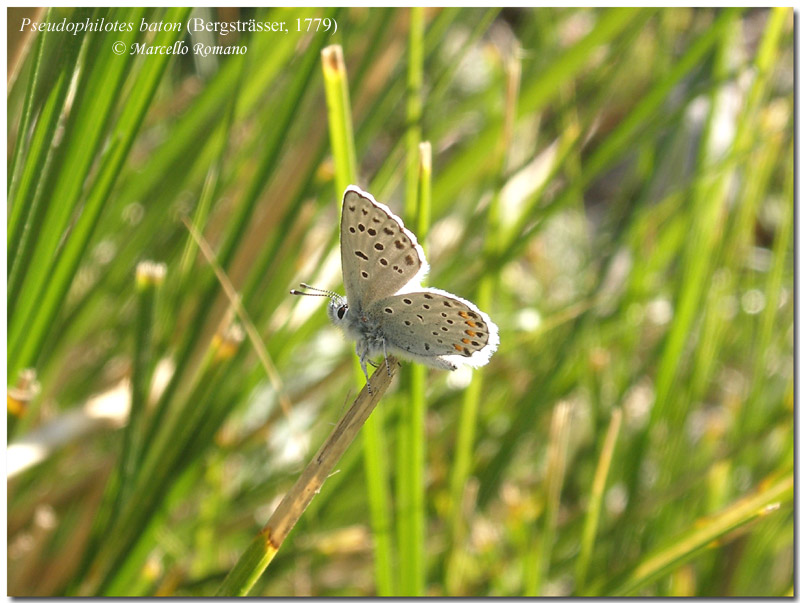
<point x="613" y="186"/>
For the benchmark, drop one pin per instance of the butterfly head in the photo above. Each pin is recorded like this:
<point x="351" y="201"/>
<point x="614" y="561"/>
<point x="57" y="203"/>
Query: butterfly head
<point x="337" y="308"/>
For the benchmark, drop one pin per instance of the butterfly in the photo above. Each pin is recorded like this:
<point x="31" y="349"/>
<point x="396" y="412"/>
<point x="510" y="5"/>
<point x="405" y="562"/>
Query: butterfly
<point x="385" y="309"/>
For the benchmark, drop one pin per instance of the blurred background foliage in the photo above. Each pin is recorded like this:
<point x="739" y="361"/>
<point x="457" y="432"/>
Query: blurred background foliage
<point x="616" y="185"/>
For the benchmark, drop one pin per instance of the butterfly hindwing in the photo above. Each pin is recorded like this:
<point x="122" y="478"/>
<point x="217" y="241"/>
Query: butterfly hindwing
<point x="379" y="255"/>
<point x="432" y="323"/>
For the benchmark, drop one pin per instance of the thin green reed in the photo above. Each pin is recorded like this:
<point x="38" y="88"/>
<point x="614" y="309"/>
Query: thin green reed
<point x="211" y="184"/>
<point x="755" y="117"/>
<point x="702" y="255"/>
<point x="102" y="76"/>
<point x="389" y="174"/>
<point x="340" y="123"/>
<point x="410" y="470"/>
<point x="22" y="131"/>
<point x="149" y="278"/>
<point x="340" y="119"/>
<point x="462" y="464"/>
<point x="160" y="465"/>
<point x="120" y="485"/>
<point x="415" y="432"/>
<point x="537" y="91"/>
<point x="22" y="137"/>
<point x="75" y="246"/>
<point x="416" y="56"/>
<point x="683" y="547"/>
<point x="702" y="250"/>
<point x="238" y="223"/>
<point x="774" y="288"/>
<point x="543" y="531"/>
<point x="583" y="562"/>
<point x="27" y="193"/>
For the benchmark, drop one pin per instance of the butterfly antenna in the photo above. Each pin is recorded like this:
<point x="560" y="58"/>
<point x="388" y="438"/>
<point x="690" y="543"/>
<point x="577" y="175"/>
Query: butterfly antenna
<point x="319" y="292"/>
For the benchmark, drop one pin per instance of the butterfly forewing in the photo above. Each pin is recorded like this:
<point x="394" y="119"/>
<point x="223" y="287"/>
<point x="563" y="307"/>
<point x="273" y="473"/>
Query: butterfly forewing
<point x="431" y="323"/>
<point x="379" y="256"/>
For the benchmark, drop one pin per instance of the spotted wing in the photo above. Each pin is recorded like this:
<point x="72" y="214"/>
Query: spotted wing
<point x="379" y="255"/>
<point x="434" y="323"/>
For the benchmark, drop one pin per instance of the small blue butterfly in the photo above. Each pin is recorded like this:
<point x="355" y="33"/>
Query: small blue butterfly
<point x="386" y="310"/>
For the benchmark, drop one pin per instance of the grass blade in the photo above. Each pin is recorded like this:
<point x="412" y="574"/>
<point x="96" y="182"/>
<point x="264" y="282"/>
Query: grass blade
<point x="463" y="461"/>
<point x="703" y="535"/>
<point x="596" y="501"/>
<point x="259" y="554"/>
<point x="343" y="147"/>
<point x="541" y="548"/>
<point x="340" y="120"/>
<point x="128" y="126"/>
<point x="411" y="426"/>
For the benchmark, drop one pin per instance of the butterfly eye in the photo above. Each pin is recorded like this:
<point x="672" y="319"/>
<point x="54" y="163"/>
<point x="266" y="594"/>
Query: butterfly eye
<point x="341" y="312"/>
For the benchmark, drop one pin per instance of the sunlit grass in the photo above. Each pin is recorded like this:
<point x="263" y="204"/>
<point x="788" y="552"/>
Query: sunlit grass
<point x="613" y="186"/>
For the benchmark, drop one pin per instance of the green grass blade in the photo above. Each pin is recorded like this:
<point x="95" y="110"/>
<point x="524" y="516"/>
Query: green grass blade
<point x="122" y="137"/>
<point x="105" y="75"/>
<point x="27" y="203"/>
<point x="780" y="253"/>
<point x="159" y="468"/>
<point x="536" y="91"/>
<point x="541" y="547"/>
<point x="262" y="550"/>
<point x="340" y="120"/>
<point x="411" y="427"/>
<point x="617" y="143"/>
<point x="377" y="485"/>
<point x="589" y="533"/>
<point x="27" y="110"/>
<point x="343" y="148"/>
<point x="238" y="223"/>
<point x="463" y="460"/>
<point x="548" y="84"/>
<point x="698" y="539"/>
<point x="149" y="278"/>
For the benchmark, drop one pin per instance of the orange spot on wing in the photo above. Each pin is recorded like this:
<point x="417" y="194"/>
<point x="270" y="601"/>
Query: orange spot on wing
<point x="470" y="323"/>
<point x="464" y="340"/>
<point x="458" y="347"/>
<point x="462" y="314"/>
<point x="470" y="333"/>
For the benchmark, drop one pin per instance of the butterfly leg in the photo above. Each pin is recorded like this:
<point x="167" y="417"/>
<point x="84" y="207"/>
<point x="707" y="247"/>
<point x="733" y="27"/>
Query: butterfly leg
<point x="362" y="358"/>
<point x="386" y="359"/>
<point x="366" y="376"/>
